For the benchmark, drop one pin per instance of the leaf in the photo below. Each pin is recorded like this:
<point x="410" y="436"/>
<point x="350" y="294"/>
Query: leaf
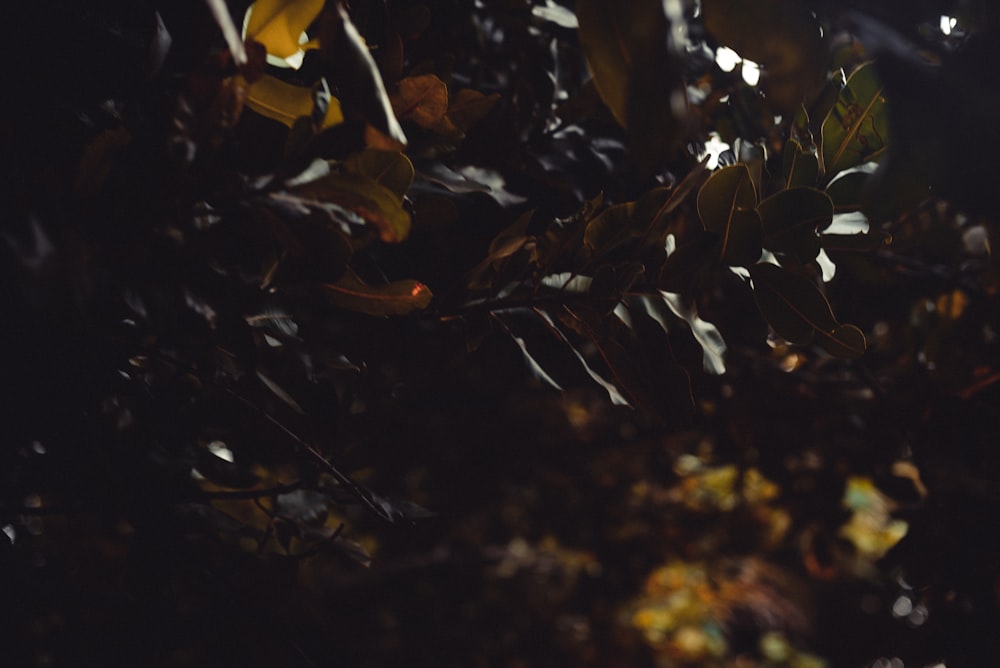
<point x="356" y="74"/>
<point x="846" y="191"/>
<point x="678" y="272"/>
<point x="627" y="46"/>
<point x="799" y="312"/>
<point x="421" y="99"/>
<point x="790" y="220"/>
<point x="783" y="36"/>
<point x="800" y="166"/>
<point x="279" y="24"/>
<point x="390" y="169"/>
<point x="469" y="106"/>
<point x="536" y="369"/>
<point x="286" y="103"/>
<point x="375" y="203"/>
<point x="726" y="207"/>
<point x="395" y="298"/>
<point x="856" y="129"/>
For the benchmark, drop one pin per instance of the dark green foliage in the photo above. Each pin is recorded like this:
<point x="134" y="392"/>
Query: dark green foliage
<point x="296" y="394"/>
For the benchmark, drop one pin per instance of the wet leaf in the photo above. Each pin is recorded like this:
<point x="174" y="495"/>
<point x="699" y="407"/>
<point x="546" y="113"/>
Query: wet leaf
<point x="783" y="36"/>
<point x="390" y="169"/>
<point x="856" y="129"/>
<point x="800" y="166"/>
<point x="799" y="312"/>
<point x="627" y="46"/>
<point x="395" y="298"/>
<point x="791" y="219"/>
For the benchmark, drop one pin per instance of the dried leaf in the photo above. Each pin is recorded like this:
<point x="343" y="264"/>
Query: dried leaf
<point x="396" y="298"/>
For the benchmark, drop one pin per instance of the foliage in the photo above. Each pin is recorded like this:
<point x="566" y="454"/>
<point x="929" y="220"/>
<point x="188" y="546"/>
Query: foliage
<point x="359" y="325"/>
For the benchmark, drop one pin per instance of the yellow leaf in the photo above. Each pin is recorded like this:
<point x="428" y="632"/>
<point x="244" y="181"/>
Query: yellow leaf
<point x="279" y="24"/>
<point x="285" y="102"/>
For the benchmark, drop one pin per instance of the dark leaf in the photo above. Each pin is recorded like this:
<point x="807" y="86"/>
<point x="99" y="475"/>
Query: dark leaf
<point x="390" y="169"/>
<point x="791" y="219"/>
<point x="799" y="312"/>
<point x="800" y="166"/>
<point x="627" y="45"/>
<point x="375" y="203"/>
<point x="396" y="298"/>
<point x="846" y="191"/>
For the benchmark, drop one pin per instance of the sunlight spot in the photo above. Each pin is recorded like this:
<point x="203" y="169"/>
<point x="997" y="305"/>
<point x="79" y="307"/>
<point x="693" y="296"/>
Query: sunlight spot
<point x="727" y="59"/>
<point x="948" y="24"/>
<point x="714" y="147"/>
<point x="751" y="72"/>
<point x="902" y="607"/>
<point x="220" y="450"/>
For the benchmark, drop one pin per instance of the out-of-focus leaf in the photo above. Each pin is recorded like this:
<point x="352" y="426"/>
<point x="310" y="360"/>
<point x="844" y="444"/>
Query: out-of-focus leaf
<point x="726" y="207"/>
<point x="799" y="312"/>
<point x="855" y="242"/>
<point x="800" y="166"/>
<point x="378" y="205"/>
<point x="469" y="106"/>
<point x="783" y="36"/>
<point x="664" y="386"/>
<point x="421" y="99"/>
<point x="356" y="74"/>
<point x="285" y="102"/>
<point x="391" y="169"/>
<point x="278" y="24"/>
<point x="628" y="47"/>
<point x="395" y="298"/>
<point x="280" y="393"/>
<point x="846" y="192"/>
<point x="98" y="160"/>
<point x="790" y="221"/>
<point x="857" y="128"/>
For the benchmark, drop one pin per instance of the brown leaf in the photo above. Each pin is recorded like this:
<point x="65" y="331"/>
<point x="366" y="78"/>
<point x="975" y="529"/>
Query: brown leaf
<point x="396" y="298"/>
<point x="469" y="106"/>
<point x="422" y="100"/>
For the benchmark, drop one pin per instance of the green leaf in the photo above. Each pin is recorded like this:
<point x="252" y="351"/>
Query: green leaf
<point x="726" y="207"/>
<point x="800" y="166"/>
<point x="856" y="129"/>
<point x="391" y="169"/>
<point x="790" y="221"/>
<point x="627" y="46"/>
<point x="783" y="36"/>
<point x="376" y="204"/>
<point x="395" y="298"/>
<point x="846" y="192"/>
<point x="800" y="314"/>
